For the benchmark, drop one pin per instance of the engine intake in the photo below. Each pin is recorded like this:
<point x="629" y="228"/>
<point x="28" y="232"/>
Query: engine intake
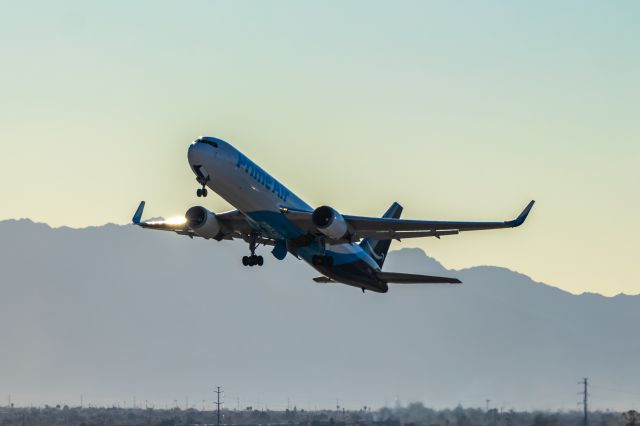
<point x="330" y="222"/>
<point x="203" y="222"/>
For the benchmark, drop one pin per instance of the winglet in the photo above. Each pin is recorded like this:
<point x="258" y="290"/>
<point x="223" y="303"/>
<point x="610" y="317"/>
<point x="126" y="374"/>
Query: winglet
<point x="138" y="214"/>
<point x="520" y="219"/>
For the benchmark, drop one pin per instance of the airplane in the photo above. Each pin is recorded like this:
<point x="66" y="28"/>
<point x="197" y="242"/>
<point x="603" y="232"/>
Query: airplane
<point x="344" y="249"/>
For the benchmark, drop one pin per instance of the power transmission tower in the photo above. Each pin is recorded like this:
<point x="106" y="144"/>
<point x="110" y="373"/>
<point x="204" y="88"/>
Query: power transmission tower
<point x="585" y="396"/>
<point x="218" y="391"/>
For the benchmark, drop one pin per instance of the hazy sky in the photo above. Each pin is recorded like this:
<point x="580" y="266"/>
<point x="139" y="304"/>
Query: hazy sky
<point x="462" y="110"/>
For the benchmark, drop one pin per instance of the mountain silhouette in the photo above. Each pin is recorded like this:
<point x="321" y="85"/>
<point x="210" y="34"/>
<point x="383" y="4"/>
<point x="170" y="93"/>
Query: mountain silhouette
<point x="112" y="312"/>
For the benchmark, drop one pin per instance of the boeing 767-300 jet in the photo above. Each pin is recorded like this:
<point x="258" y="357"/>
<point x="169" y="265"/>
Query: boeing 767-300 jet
<point x="345" y="249"/>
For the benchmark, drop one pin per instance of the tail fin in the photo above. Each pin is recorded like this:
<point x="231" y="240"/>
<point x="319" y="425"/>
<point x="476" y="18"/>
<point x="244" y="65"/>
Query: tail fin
<point x="138" y="215"/>
<point x="378" y="249"/>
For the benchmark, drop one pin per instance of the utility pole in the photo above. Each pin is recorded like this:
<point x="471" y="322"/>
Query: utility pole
<point x="218" y="391"/>
<point x="585" y="395"/>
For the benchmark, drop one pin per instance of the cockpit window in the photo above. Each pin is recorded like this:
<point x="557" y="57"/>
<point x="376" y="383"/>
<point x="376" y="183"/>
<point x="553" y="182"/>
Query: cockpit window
<point x="209" y="142"/>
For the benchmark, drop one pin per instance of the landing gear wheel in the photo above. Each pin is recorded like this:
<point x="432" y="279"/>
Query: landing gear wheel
<point x="204" y="192"/>
<point x="253" y="259"/>
<point x="199" y="192"/>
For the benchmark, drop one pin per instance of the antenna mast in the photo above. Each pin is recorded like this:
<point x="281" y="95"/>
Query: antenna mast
<point x="218" y="392"/>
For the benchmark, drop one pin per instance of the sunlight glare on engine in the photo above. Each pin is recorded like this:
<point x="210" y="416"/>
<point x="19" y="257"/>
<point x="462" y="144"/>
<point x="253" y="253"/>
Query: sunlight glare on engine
<point x="176" y="220"/>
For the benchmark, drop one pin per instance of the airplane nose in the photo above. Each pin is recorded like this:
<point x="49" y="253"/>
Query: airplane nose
<point x="195" y="153"/>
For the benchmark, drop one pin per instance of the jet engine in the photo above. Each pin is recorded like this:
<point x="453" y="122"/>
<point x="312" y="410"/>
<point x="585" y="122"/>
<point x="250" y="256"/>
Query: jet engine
<point x="330" y="222"/>
<point x="203" y="222"/>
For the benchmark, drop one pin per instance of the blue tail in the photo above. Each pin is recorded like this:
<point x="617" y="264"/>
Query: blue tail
<point x="378" y="249"/>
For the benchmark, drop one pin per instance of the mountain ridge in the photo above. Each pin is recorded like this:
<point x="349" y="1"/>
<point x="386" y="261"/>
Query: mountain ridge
<point x="116" y="310"/>
<point x="470" y="268"/>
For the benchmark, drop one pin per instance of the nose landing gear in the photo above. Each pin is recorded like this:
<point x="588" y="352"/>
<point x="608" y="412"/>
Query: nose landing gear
<point x="202" y="192"/>
<point x="253" y="259"/>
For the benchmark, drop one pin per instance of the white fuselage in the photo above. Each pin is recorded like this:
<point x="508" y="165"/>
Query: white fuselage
<point x="260" y="197"/>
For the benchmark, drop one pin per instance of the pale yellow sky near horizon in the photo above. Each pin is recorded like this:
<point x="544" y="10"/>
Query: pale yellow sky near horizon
<point x="457" y="111"/>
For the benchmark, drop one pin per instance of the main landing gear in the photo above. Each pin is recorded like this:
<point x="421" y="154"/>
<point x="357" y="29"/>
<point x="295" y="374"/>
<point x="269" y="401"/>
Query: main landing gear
<point x="253" y="259"/>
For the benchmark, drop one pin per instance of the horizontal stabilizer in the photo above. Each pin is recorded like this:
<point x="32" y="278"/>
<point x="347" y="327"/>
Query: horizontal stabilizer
<point x="400" y="278"/>
<point x="323" y="280"/>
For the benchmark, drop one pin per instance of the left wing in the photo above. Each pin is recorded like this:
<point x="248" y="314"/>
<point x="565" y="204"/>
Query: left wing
<point x="381" y="228"/>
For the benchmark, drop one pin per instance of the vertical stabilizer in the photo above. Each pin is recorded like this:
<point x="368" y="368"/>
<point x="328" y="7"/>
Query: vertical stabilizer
<point x="378" y="249"/>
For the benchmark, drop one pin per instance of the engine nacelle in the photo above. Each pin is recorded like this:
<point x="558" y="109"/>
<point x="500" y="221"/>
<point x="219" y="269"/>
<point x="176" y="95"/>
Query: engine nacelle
<point x="203" y="222"/>
<point x="330" y="222"/>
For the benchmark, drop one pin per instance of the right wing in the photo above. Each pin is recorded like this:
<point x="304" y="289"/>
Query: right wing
<point x="161" y="225"/>
<point x="234" y="225"/>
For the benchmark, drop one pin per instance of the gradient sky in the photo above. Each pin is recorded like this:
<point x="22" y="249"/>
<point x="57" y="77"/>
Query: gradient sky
<point x="458" y="110"/>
